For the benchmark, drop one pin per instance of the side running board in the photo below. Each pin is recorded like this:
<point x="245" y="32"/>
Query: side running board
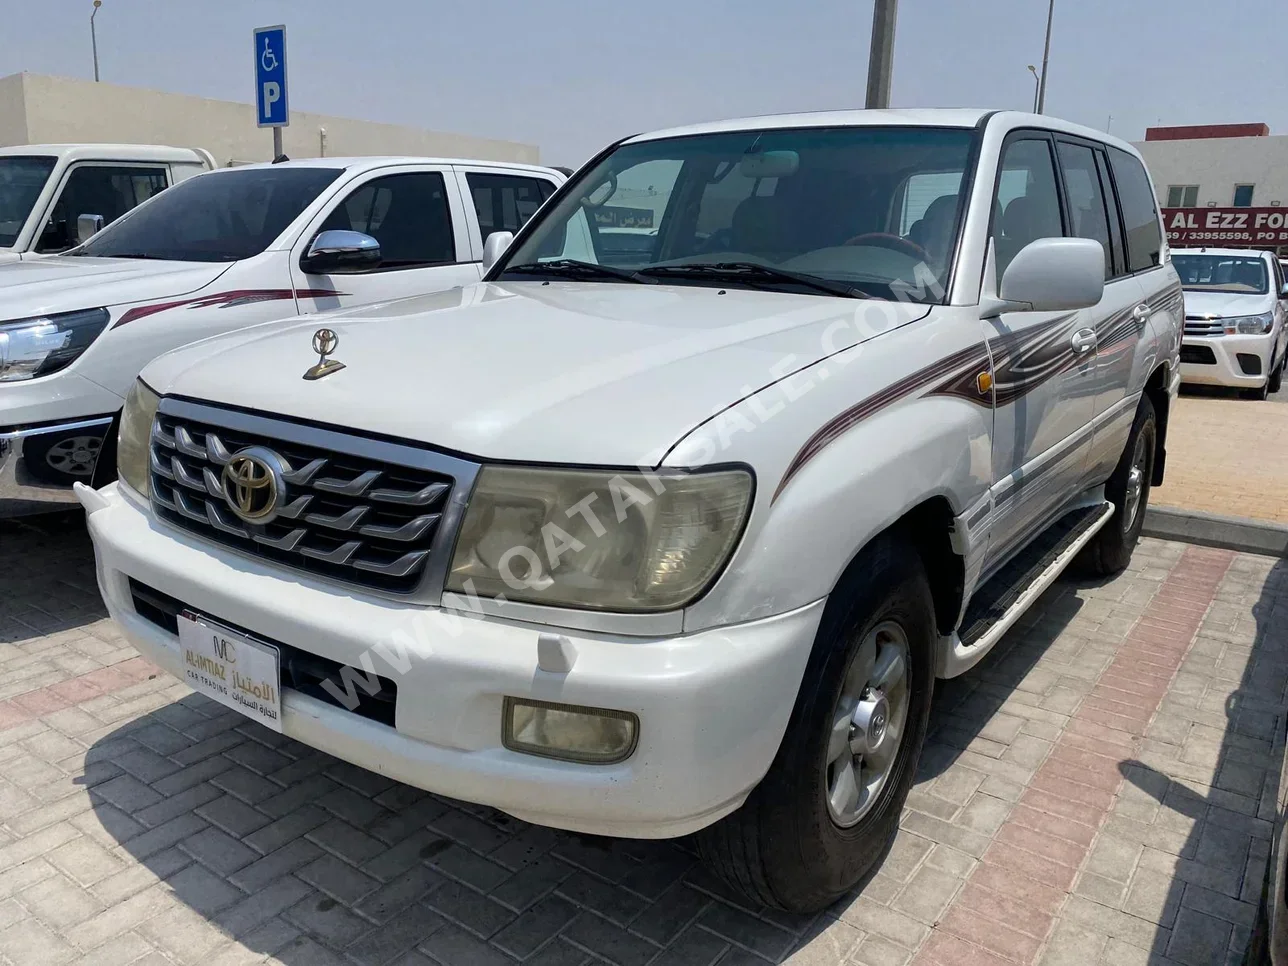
<point x="1001" y="602"/>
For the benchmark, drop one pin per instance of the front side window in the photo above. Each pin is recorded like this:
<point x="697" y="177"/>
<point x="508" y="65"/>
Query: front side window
<point x="1243" y="195"/>
<point x="1182" y="196"/>
<point x="1027" y="204"/>
<point x="1140" y="211"/>
<point x="406" y="213"/>
<point x="859" y="211"/>
<point x="222" y="216"/>
<point x="97" y="189"/>
<point x="505" y="202"/>
<point x="1086" y="195"/>
<point x="1222" y="273"/>
<point x="21" y="181"/>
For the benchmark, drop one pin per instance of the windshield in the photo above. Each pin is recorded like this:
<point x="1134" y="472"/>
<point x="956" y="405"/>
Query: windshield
<point x="21" y="180"/>
<point x="219" y="217"/>
<point x="1222" y="273"/>
<point x="873" y="208"/>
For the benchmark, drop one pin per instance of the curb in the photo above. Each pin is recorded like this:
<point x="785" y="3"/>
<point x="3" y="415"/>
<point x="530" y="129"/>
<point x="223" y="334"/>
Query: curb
<point x="1214" y="530"/>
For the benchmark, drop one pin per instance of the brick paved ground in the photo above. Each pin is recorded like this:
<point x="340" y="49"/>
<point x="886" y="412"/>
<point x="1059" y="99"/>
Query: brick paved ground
<point x="1100" y="790"/>
<point x="1227" y="455"/>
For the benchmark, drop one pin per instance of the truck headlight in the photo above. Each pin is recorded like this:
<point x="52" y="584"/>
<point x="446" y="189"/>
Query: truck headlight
<point x="133" y="443"/>
<point x="596" y="539"/>
<point x="1250" y="324"/>
<point x="38" y="346"/>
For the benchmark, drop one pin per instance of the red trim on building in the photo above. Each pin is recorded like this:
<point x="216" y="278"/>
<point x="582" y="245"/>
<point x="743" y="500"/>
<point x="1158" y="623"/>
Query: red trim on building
<point x="1196" y="132"/>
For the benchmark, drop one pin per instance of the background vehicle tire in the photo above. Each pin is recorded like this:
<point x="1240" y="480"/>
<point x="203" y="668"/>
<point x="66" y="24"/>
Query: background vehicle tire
<point x="1128" y="490"/>
<point x="1277" y="377"/>
<point x="63" y="458"/>
<point x="791" y="845"/>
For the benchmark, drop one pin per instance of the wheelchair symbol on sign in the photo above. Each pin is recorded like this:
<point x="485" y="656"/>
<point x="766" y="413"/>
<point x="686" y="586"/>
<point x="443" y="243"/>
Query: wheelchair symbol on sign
<point x="268" y="60"/>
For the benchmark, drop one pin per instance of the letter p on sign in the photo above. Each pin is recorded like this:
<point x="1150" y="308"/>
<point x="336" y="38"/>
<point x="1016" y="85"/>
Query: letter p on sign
<point x="272" y="94"/>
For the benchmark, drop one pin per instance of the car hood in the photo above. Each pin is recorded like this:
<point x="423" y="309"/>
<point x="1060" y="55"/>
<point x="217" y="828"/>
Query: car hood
<point x="66" y="283"/>
<point x="547" y="372"/>
<point x="1224" y="305"/>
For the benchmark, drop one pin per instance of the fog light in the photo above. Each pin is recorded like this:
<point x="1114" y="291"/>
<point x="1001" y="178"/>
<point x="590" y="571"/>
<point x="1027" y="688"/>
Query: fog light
<point x="568" y="731"/>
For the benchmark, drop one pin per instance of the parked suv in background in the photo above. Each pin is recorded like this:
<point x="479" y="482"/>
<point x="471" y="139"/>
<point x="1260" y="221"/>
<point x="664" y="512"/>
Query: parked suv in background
<point x="1235" y="335"/>
<point x="673" y="538"/>
<point x="54" y="196"/>
<point x="221" y="251"/>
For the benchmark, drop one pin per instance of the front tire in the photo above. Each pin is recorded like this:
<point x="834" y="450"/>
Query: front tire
<point x="829" y="806"/>
<point x="1277" y="377"/>
<point x="1127" y="489"/>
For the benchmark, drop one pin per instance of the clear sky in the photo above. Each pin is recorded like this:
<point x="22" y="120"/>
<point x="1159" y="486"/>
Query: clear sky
<point x="571" y="76"/>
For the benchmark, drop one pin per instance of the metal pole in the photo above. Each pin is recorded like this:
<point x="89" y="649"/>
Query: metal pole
<point x="1046" y="59"/>
<point x="881" y="55"/>
<point x="1036" y="84"/>
<point x="277" y="143"/>
<point x="93" y="35"/>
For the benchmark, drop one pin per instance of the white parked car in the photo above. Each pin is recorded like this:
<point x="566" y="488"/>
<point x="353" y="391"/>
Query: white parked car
<point x="222" y="251"/>
<point x="677" y="540"/>
<point x="54" y="196"/>
<point x="1236" y="303"/>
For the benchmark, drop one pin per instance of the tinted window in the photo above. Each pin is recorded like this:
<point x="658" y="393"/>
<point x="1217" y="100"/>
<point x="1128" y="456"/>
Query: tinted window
<point x="406" y="213"/>
<point x="1027" y="204"/>
<point x="1182" y="196"/>
<point x="97" y="189"/>
<point x="829" y="202"/>
<point x="505" y="202"/>
<point x="1088" y="215"/>
<point x="1140" y="212"/>
<point x="218" y="217"/>
<point x="21" y="181"/>
<point x="1243" y="195"/>
<point x="1222" y="273"/>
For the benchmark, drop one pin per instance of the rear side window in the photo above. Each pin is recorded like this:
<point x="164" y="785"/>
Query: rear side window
<point x="505" y="202"/>
<point x="406" y="213"/>
<point x="1027" y="204"/>
<point x="97" y="189"/>
<point x="1088" y="214"/>
<point x="1140" y="211"/>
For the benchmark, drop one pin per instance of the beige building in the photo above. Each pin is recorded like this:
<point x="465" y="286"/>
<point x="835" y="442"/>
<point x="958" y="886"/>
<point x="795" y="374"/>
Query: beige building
<point x="36" y="109"/>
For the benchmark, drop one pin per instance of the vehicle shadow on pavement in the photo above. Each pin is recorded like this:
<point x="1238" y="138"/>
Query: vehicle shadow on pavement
<point x="1208" y="830"/>
<point x="251" y="839"/>
<point x="47" y="580"/>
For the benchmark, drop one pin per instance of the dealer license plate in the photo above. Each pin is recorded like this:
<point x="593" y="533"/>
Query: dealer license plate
<point x="231" y="668"/>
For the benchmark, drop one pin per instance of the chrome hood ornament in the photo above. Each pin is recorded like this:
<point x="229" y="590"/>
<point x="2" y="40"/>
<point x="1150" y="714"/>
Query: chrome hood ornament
<point x="325" y="342"/>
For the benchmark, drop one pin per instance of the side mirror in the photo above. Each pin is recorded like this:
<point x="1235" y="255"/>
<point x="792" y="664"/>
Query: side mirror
<point x="1284" y="293"/>
<point x="495" y="247"/>
<point x="87" y="226"/>
<point x="338" y="252"/>
<point x="1054" y="275"/>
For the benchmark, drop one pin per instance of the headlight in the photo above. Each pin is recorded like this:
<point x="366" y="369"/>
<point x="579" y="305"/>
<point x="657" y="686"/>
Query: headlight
<point x="596" y="539"/>
<point x="1250" y="324"/>
<point x="39" y="346"/>
<point x="136" y="431"/>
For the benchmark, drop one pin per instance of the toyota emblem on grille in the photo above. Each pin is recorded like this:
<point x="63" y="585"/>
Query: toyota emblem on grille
<point x="252" y="484"/>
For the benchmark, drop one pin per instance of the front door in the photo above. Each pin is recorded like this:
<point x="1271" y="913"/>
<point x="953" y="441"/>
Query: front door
<point x="417" y="215"/>
<point x="1043" y="362"/>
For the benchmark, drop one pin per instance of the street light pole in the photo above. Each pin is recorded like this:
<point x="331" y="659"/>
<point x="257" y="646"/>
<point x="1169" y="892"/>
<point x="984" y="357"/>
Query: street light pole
<point x="1046" y="59"/>
<point x="93" y="36"/>
<point x="1037" y="83"/>
<point x="881" y="55"/>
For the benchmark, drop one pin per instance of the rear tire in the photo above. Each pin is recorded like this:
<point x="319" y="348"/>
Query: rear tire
<point x="785" y="847"/>
<point x="1127" y="489"/>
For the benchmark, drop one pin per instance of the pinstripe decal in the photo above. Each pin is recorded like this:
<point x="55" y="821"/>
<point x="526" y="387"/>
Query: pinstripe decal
<point x="225" y="300"/>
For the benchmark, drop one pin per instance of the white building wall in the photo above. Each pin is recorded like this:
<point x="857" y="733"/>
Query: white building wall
<point x="1216" y="165"/>
<point x="36" y="109"/>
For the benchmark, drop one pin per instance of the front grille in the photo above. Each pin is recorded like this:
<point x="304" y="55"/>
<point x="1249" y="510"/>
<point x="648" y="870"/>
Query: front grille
<point x="1197" y="325"/>
<point x="300" y="670"/>
<point x="1198" y="354"/>
<point x="343" y="516"/>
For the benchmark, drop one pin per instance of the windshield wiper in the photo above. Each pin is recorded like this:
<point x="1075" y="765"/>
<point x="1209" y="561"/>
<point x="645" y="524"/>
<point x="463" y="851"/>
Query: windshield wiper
<point x="574" y="268"/>
<point x="754" y="273"/>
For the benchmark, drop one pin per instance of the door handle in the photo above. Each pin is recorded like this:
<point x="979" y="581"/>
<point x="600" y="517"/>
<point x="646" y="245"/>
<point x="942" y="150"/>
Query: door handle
<point x="1141" y="312"/>
<point x="1083" y="341"/>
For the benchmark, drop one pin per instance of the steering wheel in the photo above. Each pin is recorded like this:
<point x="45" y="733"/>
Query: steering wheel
<point x="898" y="243"/>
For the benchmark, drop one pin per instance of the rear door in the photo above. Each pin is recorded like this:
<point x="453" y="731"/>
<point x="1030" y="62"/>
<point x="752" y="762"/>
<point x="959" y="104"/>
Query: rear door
<point x="416" y="214"/>
<point x="1043" y="385"/>
<point x="501" y="200"/>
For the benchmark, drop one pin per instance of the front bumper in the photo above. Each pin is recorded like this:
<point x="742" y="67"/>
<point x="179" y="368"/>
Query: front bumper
<point x="1224" y="369"/>
<point x="35" y="463"/>
<point x="712" y="706"/>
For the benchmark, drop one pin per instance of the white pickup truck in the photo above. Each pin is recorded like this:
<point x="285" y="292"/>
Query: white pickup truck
<point x="228" y="249"/>
<point x="673" y="531"/>
<point x="54" y="196"/>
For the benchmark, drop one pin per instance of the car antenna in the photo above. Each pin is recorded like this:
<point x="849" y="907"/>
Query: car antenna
<point x="280" y="158"/>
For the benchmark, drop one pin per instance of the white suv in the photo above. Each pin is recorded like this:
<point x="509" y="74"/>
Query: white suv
<point x="674" y="533"/>
<point x="1235" y="332"/>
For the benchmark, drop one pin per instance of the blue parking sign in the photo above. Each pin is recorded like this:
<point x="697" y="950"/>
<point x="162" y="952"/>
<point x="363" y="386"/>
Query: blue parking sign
<point x="270" y="77"/>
